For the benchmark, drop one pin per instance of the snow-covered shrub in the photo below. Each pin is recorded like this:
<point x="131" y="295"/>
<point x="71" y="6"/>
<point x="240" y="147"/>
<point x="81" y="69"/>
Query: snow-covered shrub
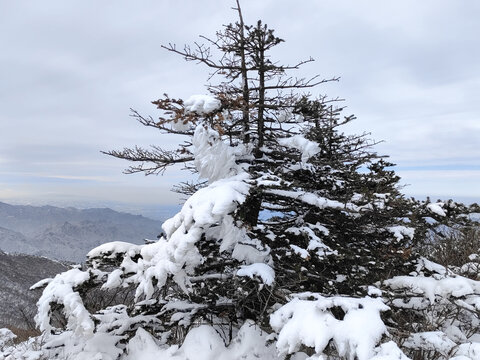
<point x="457" y="249"/>
<point x="6" y="337"/>
<point x="352" y="327"/>
<point x="435" y="312"/>
<point x="30" y="349"/>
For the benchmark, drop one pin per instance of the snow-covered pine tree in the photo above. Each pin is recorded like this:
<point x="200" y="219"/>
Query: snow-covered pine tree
<point x="275" y="252"/>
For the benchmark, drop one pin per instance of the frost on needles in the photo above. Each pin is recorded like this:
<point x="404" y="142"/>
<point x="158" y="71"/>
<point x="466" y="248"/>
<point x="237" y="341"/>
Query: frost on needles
<point x="295" y="242"/>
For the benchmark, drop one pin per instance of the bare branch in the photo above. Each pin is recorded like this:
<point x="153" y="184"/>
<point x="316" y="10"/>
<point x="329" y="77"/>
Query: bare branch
<point x="160" y="159"/>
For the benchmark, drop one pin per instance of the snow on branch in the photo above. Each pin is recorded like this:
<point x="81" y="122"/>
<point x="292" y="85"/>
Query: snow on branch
<point x="61" y="291"/>
<point x="432" y="287"/>
<point x="202" y="104"/>
<point x="214" y="159"/>
<point x="313" y="199"/>
<point x="205" y="213"/>
<point x="352" y="324"/>
<point x="437" y="208"/>
<point x="113" y="249"/>
<point x="265" y="272"/>
<point x="306" y="147"/>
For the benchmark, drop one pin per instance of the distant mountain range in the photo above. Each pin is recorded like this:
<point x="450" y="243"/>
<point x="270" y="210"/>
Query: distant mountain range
<point x="68" y="233"/>
<point x="17" y="274"/>
<point x="50" y="232"/>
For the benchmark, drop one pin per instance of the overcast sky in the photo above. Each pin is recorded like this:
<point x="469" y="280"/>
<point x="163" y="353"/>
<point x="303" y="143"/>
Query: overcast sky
<point x="70" y="71"/>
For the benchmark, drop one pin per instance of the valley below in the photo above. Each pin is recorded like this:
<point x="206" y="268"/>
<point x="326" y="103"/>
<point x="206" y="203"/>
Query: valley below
<point x="38" y="242"/>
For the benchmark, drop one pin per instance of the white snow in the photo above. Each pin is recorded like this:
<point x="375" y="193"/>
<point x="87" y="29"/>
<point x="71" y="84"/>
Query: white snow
<point x="114" y="279"/>
<point x="41" y="284"/>
<point x="424" y="263"/>
<point x="181" y="124"/>
<point x="374" y="291"/>
<point x="468" y="351"/>
<point x="204" y="343"/>
<point x="299" y="251"/>
<point x="401" y="231"/>
<point x="60" y="290"/>
<point x="389" y="351"/>
<point x="215" y="159"/>
<point x="112" y="249"/>
<point x="431" y="340"/>
<point x="437" y="208"/>
<point x="469" y="268"/>
<point x="265" y="272"/>
<point x="311" y="323"/>
<point x="474" y="257"/>
<point x="209" y="205"/>
<point x="251" y="251"/>
<point x="143" y="346"/>
<point x="431" y="288"/>
<point x="204" y="213"/>
<point x="202" y="104"/>
<point x="6" y="337"/>
<point x="315" y="243"/>
<point x="320" y="228"/>
<point x="231" y="232"/>
<point x="314" y="199"/>
<point x="306" y="147"/>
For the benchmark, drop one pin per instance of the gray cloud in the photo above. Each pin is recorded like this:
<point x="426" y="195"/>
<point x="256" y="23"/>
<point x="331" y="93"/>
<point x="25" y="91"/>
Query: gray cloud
<point x="70" y="71"/>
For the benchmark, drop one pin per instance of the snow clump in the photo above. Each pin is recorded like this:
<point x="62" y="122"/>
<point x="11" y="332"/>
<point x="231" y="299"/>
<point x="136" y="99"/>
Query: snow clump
<point x="202" y="104"/>
<point x="353" y="325"/>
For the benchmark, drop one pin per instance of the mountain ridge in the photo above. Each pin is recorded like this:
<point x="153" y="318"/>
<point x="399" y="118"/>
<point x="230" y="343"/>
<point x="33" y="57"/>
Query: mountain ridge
<point x="68" y="233"/>
<point x="18" y="272"/>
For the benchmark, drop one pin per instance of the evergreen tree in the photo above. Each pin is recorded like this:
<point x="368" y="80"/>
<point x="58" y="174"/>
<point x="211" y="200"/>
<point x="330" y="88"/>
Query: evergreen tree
<point x="292" y="220"/>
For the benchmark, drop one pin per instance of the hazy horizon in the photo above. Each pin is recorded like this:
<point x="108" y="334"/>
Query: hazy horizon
<point x="409" y="71"/>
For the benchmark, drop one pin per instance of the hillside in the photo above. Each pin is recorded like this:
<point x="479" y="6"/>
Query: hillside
<point x="17" y="274"/>
<point x="68" y="233"/>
